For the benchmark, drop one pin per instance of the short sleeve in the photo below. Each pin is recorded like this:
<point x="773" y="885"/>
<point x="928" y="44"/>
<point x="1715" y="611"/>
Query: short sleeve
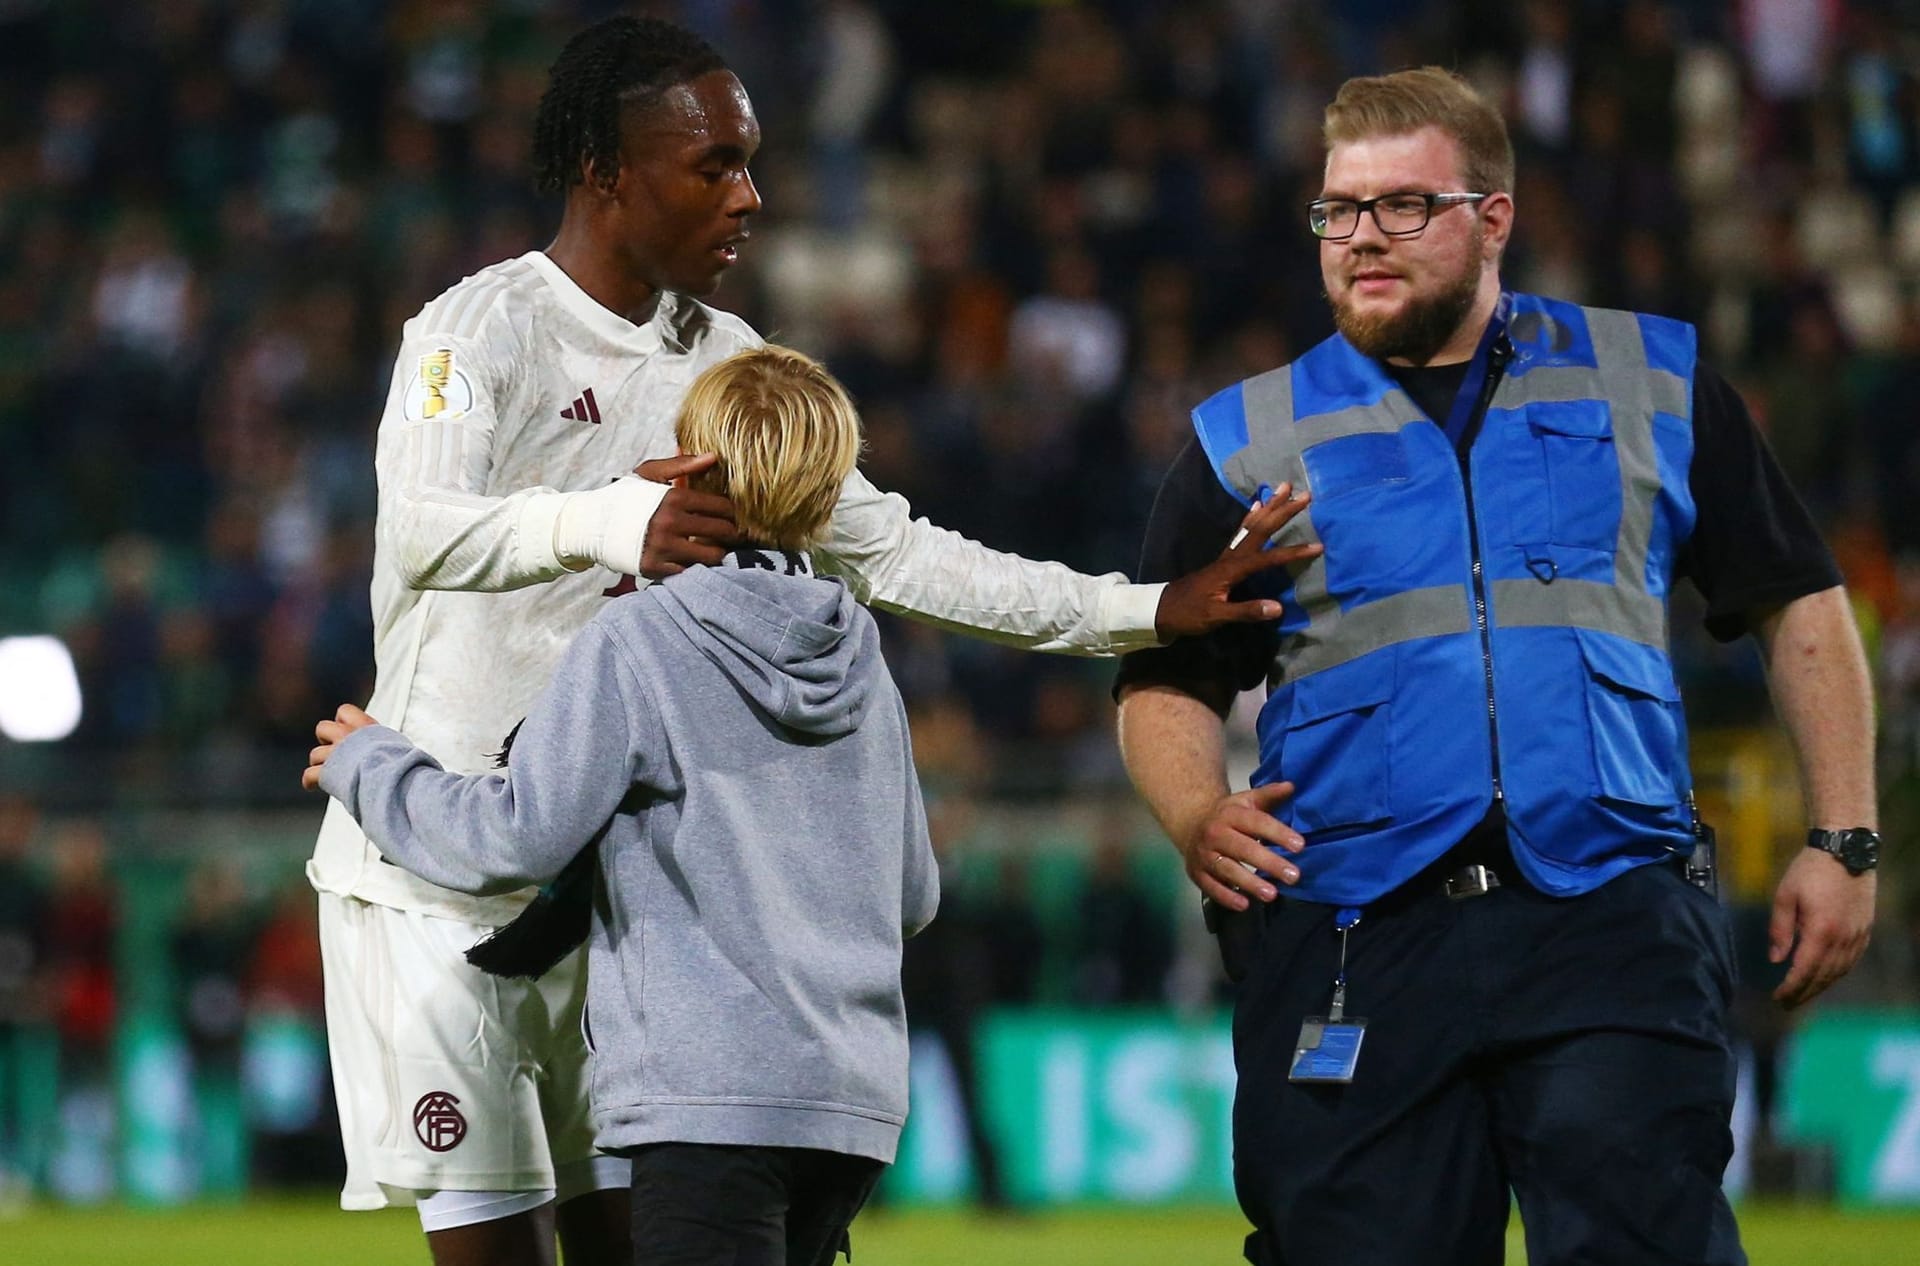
<point x="1754" y="545"/>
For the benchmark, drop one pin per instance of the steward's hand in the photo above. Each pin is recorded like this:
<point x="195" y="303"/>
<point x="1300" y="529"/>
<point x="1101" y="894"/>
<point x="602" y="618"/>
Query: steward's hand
<point x="690" y="527"/>
<point x="1831" y="912"/>
<point x="1236" y="839"/>
<point x="344" y="722"/>
<point x="1198" y="601"/>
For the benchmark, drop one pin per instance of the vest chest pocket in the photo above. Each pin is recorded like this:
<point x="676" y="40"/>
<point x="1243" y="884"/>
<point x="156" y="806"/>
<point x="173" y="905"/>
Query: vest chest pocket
<point x="1338" y="745"/>
<point x="1366" y="460"/>
<point x="1635" y="719"/>
<point x="1583" y="473"/>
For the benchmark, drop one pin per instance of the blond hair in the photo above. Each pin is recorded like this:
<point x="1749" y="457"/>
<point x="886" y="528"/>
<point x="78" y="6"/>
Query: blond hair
<point x="1432" y="96"/>
<point x="787" y="437"/>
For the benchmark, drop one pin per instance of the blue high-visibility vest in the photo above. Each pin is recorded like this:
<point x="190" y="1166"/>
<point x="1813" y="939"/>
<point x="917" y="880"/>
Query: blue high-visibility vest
<point x="1458" y="640"/>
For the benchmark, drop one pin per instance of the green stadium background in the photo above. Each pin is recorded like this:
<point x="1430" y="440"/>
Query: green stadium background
<point x="1029" y="236"/>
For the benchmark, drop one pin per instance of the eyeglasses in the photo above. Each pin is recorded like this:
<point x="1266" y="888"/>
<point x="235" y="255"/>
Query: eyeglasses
<point x="1396" y="214"/>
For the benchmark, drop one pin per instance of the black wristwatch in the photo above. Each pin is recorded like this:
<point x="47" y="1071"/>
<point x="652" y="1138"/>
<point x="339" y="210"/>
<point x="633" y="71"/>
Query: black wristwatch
<point x="1857" y="848"/>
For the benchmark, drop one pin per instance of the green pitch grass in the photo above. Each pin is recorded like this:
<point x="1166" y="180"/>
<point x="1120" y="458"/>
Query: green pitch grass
<point x="313" y="1233"/>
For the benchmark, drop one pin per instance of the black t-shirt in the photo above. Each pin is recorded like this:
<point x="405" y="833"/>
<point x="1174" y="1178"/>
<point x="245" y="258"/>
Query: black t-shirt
<point x="1753" y="548"/>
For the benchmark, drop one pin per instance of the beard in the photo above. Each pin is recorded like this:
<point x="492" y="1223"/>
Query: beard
<point x="1420" y="329"/>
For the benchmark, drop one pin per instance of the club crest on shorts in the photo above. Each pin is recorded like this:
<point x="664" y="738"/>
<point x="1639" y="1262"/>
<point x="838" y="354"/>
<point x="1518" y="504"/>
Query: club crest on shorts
<point x="439" y="390"/>
<point x="437" y="1121"/>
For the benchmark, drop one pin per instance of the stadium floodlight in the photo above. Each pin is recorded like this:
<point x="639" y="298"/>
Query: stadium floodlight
<point x="39" y="691"/>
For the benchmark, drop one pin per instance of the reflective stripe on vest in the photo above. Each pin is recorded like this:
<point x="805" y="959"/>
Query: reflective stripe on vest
<point x="1634" y="391"/>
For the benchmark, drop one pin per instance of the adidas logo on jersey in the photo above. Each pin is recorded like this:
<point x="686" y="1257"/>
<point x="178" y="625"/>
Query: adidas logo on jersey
<point x="583" y="409"/>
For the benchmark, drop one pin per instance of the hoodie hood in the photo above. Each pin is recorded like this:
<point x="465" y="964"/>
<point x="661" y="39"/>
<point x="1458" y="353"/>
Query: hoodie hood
<point x="789" y="643"/>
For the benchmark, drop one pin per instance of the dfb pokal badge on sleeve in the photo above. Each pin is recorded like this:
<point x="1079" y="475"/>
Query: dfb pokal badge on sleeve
<point x="440" y="390"/>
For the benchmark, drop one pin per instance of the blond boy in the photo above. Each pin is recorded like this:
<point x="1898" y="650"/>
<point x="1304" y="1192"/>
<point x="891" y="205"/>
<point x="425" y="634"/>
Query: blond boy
<point x="732" y="743"/>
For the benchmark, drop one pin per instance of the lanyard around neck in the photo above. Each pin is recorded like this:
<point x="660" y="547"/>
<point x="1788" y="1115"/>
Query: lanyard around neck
<point x="1466" y="401"/>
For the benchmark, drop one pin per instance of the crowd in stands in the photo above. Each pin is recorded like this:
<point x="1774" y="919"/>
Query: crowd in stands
<point x="1029" y="236"/>
<point x="91" y="953"/>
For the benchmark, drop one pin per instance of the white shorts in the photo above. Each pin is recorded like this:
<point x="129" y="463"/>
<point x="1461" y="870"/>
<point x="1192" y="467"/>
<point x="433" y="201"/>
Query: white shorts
<point x="449" y="1079"/>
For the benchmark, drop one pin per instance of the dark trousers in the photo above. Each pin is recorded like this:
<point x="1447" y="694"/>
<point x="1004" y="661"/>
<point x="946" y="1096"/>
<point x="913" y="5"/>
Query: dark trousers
<point x="1572" y="1051"/>
<point x="701" y="1204"/>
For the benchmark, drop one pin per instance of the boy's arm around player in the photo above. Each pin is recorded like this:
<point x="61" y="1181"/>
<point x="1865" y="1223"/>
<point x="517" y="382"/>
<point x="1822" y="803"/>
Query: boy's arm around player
<point x="582" y="748"/>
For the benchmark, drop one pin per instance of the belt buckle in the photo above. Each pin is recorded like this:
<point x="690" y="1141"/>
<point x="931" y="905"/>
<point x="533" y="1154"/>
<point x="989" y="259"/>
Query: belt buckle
<point x="1471" y="881"/>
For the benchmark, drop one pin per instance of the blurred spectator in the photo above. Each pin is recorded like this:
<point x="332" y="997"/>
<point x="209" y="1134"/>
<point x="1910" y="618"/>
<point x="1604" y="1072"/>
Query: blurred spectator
<point x="1011" y="925"/>
<point x="1893" y="441"/>
<point x="1900" y="642"/>
<point x="234" y="587"/>
<point x="22" y="990"/>
<point x="195" y="687"/>
<point x="1879" y="92"/>
<point x="1909" y="944"/>
<point x="120" y="673"/>
<point x="144" y="300"/>
<point x="82" y="920"/>
<point x="1803" y="409"/>
<point x="290" y="1090"/>
<point x="1761" y="1024"/>
<point x="1125" y="947"/>
<point x="1643" y="71"/>
<point x="948" y="976"/>
<point x="855" y="72"/>
<point x="213" y="940"/>
<point x="1067" y="339"/>
<point x="1542" y="113"/>
<point x="1786" y="44"/>
<point x="283" y="975"/>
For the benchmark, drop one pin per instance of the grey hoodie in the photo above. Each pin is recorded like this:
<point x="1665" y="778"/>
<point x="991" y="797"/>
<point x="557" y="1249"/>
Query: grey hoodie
<point x="733" y="742"/>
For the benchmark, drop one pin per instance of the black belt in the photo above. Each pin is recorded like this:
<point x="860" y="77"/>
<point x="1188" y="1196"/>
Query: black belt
<point x="1474" y="867"/>
<point x="1477" y="879"/>
<point x="1458" y="880"/>
<point x="1471" y="880"/>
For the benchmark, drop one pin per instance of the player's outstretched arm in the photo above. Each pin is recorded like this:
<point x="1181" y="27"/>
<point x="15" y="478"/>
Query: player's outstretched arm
<point x="491" y="833"/>
<point x="899" y="563"/>
<point x="1201" y="601"/>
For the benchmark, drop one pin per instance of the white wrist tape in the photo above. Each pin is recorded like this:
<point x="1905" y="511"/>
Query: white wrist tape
<point x="607" y="526"/>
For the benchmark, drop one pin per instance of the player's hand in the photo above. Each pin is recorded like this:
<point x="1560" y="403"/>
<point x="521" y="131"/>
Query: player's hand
<point x="1198" y="601"/>
<point x="1830" y="912"/>
<point x="689" y="528"/>
<point x="1237" y="839"/>
<point x="344" y="722"/>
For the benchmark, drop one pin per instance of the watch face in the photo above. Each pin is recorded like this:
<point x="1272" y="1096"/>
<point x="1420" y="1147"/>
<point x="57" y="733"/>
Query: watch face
<point x="1860" y="850"/>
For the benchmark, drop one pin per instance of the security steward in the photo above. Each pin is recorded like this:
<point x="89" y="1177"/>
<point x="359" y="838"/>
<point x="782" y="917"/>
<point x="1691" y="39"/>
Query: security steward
<point x="1498" y="966"/>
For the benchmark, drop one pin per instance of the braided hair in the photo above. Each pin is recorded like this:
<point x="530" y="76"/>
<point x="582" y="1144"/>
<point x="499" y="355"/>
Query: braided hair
<point x="612" y="64"/>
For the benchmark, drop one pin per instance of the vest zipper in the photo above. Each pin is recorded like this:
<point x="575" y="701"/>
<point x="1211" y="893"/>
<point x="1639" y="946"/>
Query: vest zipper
<point x="1497" y="357"/>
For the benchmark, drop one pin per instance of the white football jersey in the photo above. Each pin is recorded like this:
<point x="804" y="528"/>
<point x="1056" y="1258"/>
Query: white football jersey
<point x="514" y="389"/>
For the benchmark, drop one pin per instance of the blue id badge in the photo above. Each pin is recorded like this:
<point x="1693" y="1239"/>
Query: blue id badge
<point x="1329" y="1045"/>
<point x="1328" y="1049"/>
